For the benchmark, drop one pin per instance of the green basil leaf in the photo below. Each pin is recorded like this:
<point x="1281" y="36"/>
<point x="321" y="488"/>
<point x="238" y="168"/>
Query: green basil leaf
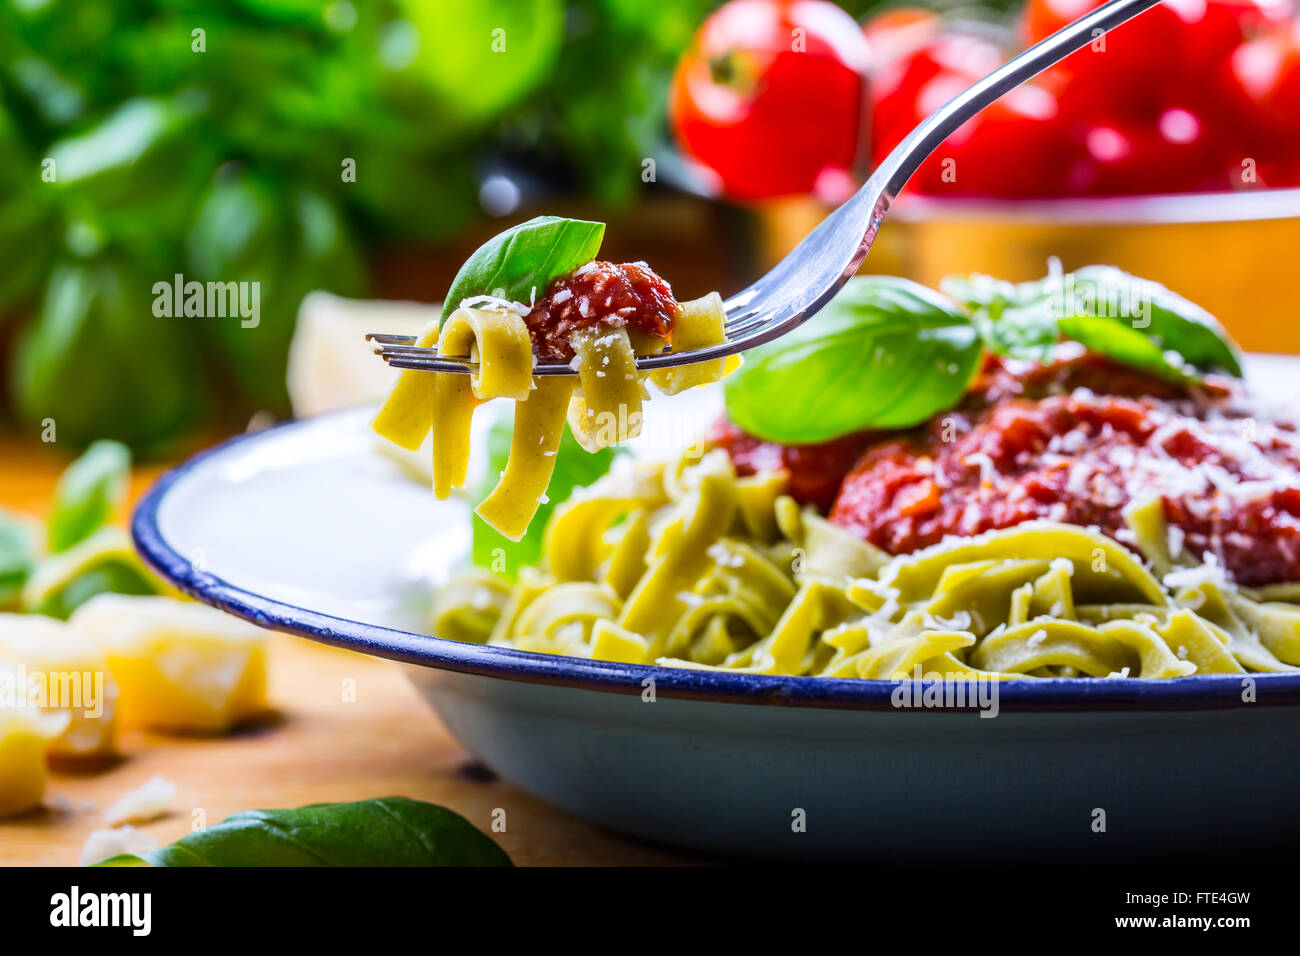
<point x="1171" y="323"/>
<point x="1134" y="321"/>
<point x="535" y="37"/>
<point x="88" y="493"/>
<point x="574" y="468"/>
<point x="279" y="242"/>
<point x="96" y="362"/>
<point x="110" y="576"/>
<point x="143" y="161"/>
<point x="1126" y="345"/>
<point x="117" y="142"/>
<point x="980" y="292"/>
<point x="29" y="224"/>
<point x="17" y="554"/>
<point x="885" y="353"/>
<point x="1018" y="331"/>
<point x="390" y="831"/>
<point x="527" y="257"/>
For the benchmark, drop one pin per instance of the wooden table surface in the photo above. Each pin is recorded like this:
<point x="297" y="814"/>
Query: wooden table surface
<point x="317" y="748"/>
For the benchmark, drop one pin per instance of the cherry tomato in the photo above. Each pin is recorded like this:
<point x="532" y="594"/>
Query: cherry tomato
<point x="900" y="32"/>
<point x="1263" y="77"/>
<point x="955" y="60"/>
<point x="1191" y="35"/>
<point x="1042" y="18"/>
<point x="1175" y="153"/>
<point x="770" y="95"/>
<point x="1016" y="148"/>
<point x="1268" y="73"/>
<point x="1133" y="67"/>
<point x="1227" y="23"/>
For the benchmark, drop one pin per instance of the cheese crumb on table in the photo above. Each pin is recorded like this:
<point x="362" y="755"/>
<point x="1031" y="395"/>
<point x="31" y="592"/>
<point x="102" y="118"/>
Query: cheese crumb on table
<point x="146" y="802"/>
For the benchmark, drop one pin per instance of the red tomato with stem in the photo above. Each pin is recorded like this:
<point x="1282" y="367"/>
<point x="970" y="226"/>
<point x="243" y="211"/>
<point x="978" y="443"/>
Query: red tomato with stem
<point x="770" y="96"/>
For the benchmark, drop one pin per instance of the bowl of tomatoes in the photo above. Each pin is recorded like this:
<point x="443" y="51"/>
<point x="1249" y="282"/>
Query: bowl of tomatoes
<point x="1169" y="146"/>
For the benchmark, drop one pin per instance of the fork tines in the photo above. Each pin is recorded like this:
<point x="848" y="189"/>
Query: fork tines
<point x="400" y="351"/>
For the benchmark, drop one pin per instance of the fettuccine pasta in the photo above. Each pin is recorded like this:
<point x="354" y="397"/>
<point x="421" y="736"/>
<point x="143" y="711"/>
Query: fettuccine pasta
<point x="603" y="406"/>
<point x="692" y="566"/>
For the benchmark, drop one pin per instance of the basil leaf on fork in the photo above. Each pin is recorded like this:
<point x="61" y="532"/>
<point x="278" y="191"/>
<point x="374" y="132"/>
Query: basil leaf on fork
<point x="517" y="265"/>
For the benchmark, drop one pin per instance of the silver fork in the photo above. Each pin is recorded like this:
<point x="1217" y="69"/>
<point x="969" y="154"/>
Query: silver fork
<point x="798" y="286"/>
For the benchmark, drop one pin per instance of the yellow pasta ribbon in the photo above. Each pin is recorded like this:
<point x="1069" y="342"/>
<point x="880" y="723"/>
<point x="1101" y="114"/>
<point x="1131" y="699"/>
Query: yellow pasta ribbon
<point x="699" y="324"/>
<point x="499" y="342"/>
<point x="539" y="426"/>
<point x="607" y="408"/>
<point x="453" y="412"/>
<point x="407" y="414"/>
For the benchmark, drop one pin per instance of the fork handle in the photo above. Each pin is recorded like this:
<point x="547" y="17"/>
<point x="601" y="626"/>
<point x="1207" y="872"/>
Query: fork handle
<point x="906" y="158"/>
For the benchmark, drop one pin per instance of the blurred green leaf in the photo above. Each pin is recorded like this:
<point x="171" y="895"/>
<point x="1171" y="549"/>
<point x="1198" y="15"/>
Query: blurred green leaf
<point x="479" y="57"/>
<point x="104" y="563"/>
<point x="88" y="493"/>
<point x="299" y="11"/>
<point x="27" y="221"/>
<point x="136" y="170"/>
<point x="118" y="142"/>
<point x="604" y="130"/>
<point x="107" y="577"/>
<point x="58" y="101"/>
<point x="284" y="242"/>
<point x="97" y="362"/>
<point x="17" y="554"/>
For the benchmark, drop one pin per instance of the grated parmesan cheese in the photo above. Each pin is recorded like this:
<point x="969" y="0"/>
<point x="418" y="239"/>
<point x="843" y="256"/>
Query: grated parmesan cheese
<point x="146" y="802"/>
<point x="1209" y="571"/>
<point x="495" y="303"/>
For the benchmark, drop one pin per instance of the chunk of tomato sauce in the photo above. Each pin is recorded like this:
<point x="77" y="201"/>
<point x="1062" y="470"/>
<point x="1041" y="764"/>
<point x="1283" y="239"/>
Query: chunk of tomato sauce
<point x="814" y="471"/>
<point x="599" y="295"/>
<point x="1035" y="443"/>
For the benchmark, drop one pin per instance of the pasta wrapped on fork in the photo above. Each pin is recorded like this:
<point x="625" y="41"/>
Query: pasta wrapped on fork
<point x="599" y="317"/>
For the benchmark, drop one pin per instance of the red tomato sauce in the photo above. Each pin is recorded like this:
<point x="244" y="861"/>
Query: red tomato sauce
<point x="815" y="471"/>
<point x="1073" y="441"/>
<point x="601" y="294"/>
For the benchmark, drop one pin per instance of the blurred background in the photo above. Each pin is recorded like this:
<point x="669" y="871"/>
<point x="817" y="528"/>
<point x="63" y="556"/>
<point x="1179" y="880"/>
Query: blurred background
<point x="365" y="148"/>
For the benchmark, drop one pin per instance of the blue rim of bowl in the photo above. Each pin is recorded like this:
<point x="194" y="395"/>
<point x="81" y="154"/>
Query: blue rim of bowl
<point x="1210" y="691"/>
